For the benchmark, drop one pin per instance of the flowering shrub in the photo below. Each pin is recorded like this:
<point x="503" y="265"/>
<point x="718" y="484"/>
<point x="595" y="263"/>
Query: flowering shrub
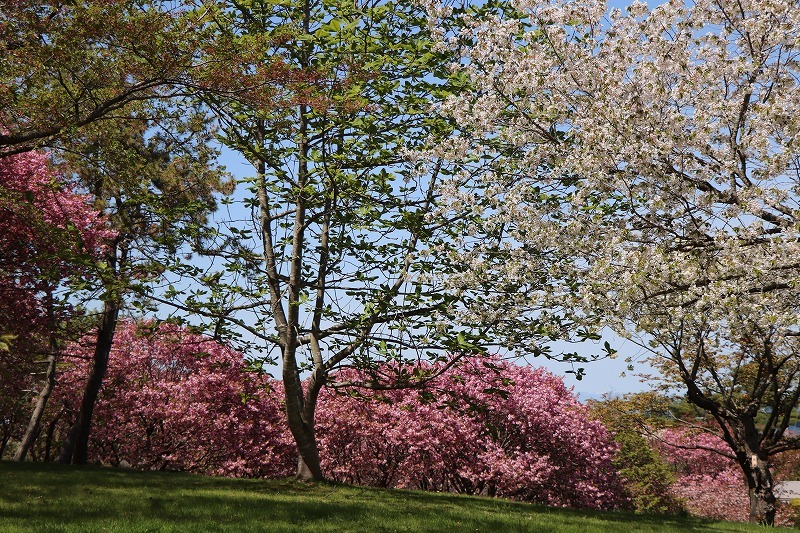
<point x="179" y="401"/>
<point x="486" y="427"/>
<point x="709" y="484"/>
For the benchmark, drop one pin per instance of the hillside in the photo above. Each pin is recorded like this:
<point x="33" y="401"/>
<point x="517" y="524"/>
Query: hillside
<point x="46" y="497"/>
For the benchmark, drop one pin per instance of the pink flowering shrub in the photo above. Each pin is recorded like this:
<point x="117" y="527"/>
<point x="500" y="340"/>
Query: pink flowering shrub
<point x="485" y="427"/>
<point x="179" y="401"/>
<point x="174" y="400"/>
<point x="709" y="484"/>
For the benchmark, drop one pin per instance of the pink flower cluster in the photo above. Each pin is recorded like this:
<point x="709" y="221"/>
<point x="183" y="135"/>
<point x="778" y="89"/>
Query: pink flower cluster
<point x="485" y="427"/>
<point x="178" y="401"/>
<point x="709" y="484"/>
<point x="37" y="209"/>
<point x="174" y="400"/>
<point x="43" y="225"/>
<point x="35" y="203"/>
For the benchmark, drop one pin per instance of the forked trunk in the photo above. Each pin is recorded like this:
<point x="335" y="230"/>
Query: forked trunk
<point x="308" y="463"/>
<point x="300" y="413"/>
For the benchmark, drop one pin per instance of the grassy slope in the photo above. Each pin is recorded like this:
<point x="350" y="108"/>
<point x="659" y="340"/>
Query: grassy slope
<point x="45" y="497"/>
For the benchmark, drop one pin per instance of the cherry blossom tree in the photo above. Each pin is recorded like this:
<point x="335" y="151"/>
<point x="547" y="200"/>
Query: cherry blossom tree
<point x="654" y="155"/>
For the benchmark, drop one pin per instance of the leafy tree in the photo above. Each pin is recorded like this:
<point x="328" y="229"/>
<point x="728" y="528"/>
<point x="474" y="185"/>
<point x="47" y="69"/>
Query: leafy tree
<point x="155" y="182"/>
<point x="70" y="64"/>
<point x="343" y="260"/>
<point x="647" y="477"/>
<point x="666" y="140"/>
<point x="90" y="79"/>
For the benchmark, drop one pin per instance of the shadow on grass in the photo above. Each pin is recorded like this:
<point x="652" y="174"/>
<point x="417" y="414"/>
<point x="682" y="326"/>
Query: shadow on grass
<point x="50" y="497"/>
<point x="454" y="503"/>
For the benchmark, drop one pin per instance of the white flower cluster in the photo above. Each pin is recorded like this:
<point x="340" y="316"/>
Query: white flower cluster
<point x="669" y="138"/>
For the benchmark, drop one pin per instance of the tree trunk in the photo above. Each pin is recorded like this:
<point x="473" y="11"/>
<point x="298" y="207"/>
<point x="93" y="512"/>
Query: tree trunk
<point x="301" y="426"/>
<point x="762" y="497"/>
<point x="105" y="339"/>
<point x="762" y="507"/>
<point x="304" y="472"/>
<point x="51" y="431"/>
<point x="3" y="443"/>
<point x="32" y="431"/>
<point x="308" y="463"/>
<point x="68" y="446"/>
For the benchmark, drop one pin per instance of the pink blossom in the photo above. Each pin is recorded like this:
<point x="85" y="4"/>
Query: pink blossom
<point x="487" y="427"/>
<point x="174" y="400"/>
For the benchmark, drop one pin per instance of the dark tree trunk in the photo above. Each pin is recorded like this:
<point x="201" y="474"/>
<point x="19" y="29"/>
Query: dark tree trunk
<point x="740" y="432"/>
<point x="32" y="431"/>
<point x="300" y="416"/>
<point x="762" y="497"/>
<point x="308" y="463"/>
<point x="3" y="443"/>
<point x="305" y="472"/>
<point x="50" y="435"/>
<point x="105" y="339"/>
<point x="68" y="446"/>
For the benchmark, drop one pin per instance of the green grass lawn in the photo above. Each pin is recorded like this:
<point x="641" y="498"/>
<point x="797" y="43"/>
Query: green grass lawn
<point x="46" y="497"/>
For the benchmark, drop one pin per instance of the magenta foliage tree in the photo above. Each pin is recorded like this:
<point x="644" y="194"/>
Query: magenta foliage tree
<point x="44" y="228"/>
<point x="486" y="427"/>
<point x="174" y="400"/>
<point x="47" y="233"/>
